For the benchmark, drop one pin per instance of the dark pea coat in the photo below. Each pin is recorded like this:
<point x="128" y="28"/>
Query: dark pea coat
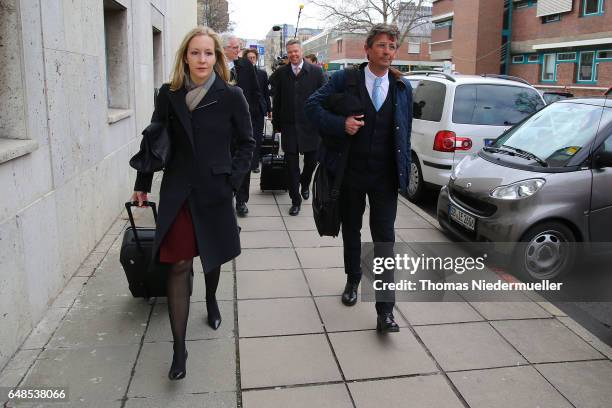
<point x="290" y="94"/>
<point x="264" y="85"/>
<point x="201" y="170"/>
<point x="248" y="81"/>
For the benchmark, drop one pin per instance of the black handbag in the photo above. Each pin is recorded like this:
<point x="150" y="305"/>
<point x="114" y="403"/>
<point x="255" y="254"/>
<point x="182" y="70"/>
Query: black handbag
<point x="154" y="151"/>
<point x="326" y="199"/>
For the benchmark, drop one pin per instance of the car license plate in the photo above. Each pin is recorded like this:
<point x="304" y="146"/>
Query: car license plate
<point x="462" y="218"/>
<point x="489" y="142"/>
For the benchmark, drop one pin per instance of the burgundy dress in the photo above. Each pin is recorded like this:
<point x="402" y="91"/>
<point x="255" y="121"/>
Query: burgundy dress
<point x="180" y="241"/>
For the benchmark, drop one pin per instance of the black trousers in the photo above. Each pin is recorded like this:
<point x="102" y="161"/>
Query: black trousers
<point x="242" y="195"/>
<point x="294" y="178"/>
<point x="258" y="128"/>
<point x="382" y="197"/>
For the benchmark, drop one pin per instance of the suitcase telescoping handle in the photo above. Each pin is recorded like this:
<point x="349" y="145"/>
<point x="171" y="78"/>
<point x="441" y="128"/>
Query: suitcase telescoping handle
<point x="128" y="207"/>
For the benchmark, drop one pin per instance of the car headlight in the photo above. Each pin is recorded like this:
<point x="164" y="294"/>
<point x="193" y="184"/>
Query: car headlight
<point x="457" y="168"/>
<point x="522" y="189"/>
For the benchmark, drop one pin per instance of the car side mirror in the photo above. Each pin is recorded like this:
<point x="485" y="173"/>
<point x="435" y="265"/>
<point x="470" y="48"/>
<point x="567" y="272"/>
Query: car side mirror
<point x="603" y="159"/>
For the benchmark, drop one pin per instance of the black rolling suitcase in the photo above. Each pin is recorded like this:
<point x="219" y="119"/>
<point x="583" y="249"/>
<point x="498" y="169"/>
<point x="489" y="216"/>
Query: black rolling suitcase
<point x="273" y="172"/>
<point x="269" y="143"/>
<point x="145" y="278"/>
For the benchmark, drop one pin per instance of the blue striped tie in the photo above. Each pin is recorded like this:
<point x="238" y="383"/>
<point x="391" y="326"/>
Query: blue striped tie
<point x="377" y="93"/>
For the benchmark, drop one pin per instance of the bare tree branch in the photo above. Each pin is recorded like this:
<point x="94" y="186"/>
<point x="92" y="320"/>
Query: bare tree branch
<point x="361" y="15"/>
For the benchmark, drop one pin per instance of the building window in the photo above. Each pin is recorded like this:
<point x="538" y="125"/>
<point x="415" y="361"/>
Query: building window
<point x="605" y="54"/>
<point x="116" y="45"/>
<point x="339" y="46"/>
<point x="414" y="48"/>
<point x="157" y="60"/>
<point x="549" y="66"/>
<point x="586" y="66"/>
<point x="444" y="24"/>
<point x="591" y="7"/>
<point x="533" y="58"/>
<point x="524" y="3"/>
<point x="551" y="18"/>
<point x="518" y="59"/>
<point x="566" y="56"/>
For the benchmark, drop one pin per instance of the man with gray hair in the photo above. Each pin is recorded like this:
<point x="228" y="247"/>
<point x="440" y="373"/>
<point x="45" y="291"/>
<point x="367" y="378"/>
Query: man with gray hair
<point x="243" y="75"/>
<point x="293" y="84"/>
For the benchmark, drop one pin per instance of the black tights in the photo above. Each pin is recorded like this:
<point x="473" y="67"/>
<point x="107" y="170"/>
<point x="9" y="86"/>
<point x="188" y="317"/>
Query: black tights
<point x="178" y="300"/>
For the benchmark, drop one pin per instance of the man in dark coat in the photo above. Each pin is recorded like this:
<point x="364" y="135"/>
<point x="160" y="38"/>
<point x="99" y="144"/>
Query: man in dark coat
<point x="244" y="76"/>
<point x="293" y="84"/>
<point x="378" y="162"/>
<point x="265" y="106"/>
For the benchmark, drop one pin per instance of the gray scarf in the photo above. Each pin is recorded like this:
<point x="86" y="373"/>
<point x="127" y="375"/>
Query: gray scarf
<point x="195" y="93"/>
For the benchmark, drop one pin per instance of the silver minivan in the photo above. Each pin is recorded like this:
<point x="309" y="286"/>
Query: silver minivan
<point x="545" y="182"/>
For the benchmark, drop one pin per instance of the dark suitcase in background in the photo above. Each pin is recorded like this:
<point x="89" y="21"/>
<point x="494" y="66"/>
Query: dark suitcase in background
<point x="145" y="278"/>
<point x="273" y="172"/>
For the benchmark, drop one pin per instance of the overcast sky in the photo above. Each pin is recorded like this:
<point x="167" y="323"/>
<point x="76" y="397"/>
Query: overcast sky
<point x="254" y="18"/>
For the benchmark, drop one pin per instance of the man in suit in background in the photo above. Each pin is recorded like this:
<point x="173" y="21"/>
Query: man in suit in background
<point x="243" y="75"/>
<point x="265" y="106"/>
<point x="293" y="84"/>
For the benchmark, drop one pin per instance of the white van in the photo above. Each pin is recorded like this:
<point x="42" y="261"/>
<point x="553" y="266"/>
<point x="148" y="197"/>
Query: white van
<point x="455" y="115"/>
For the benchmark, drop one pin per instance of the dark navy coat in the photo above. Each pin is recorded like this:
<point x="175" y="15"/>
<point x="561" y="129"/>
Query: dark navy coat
<point x="331" y="125"/>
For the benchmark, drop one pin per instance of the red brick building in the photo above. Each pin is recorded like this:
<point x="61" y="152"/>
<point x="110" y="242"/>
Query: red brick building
<point x="342" y="49"/>
<point x="554" y="44"/>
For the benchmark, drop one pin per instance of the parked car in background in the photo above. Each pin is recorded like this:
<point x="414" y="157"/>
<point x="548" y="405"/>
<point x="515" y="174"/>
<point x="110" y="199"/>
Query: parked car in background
<point x="546" y="183"/>
<point x="550" y="97"/>
<point x="455" y="115"/>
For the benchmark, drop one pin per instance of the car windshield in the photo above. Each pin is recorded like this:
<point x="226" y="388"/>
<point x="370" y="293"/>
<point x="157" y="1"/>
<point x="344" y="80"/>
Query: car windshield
<point x="553" y="135"/>
<point x="494" y="105"/>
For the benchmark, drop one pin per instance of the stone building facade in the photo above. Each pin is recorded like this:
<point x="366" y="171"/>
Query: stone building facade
<point x="77" y="88"/>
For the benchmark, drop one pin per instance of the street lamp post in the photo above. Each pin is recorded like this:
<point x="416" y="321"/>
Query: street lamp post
<point x="298" y="21"/>
<point x="279" y="28"/>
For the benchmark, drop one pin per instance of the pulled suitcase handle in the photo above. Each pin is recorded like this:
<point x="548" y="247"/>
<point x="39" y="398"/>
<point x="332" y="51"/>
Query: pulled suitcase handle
<point x="128" y="207"/>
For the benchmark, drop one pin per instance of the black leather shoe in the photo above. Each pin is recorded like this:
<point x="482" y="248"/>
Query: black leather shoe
<point x="178" y="369"/>
<point x="241" y="209"/>
<point x="255" y="170"/>
<point x="386" y="323"/>
<point x="305" y="193"/>
<point x="294" y="210"/>
<point x="214" y="316"/>
<point x="349" y="296"/>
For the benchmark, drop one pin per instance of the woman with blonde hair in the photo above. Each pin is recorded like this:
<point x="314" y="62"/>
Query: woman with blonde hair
<point x="204" y="117"/>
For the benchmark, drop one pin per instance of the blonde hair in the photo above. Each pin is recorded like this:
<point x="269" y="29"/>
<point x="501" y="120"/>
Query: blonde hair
<point x="180" y="69"/>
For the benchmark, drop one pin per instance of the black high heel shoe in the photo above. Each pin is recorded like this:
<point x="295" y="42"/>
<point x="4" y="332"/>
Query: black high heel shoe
<point x="214" y="316"/>
<point x="178" y="371"/>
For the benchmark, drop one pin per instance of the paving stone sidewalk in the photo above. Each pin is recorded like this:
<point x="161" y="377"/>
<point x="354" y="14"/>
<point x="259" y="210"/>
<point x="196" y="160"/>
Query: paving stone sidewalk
<point x="287" y="341"/>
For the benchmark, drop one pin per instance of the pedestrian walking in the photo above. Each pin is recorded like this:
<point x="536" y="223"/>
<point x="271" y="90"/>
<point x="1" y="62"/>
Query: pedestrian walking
<point x="311" y="58"/>
<point x="378" y="159"/>
<point x="293" y="84"/>
<point x="265" y="105"/>
<point x="243" y="74"/>
<point x="203" y="117"/>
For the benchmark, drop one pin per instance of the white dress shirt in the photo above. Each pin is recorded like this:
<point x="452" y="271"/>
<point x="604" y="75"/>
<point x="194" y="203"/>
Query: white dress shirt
<point x="300" y="65"/>
<point x="230" y="64"/>
<point x="369" y="83"/>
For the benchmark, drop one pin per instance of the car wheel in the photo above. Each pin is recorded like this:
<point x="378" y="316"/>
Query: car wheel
<point x="415" y="182"/>
<point x="546" y="252"/>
